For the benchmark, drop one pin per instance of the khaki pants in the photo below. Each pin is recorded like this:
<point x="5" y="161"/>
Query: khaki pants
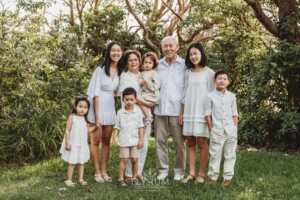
<point x="165" y="125"/>
<point x="218" y="144"/>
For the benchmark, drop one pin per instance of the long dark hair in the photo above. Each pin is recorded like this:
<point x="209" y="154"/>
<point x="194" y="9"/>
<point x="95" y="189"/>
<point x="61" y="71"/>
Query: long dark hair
<point x="77" y="100"/>
<point x="203" y="61"/>
<point x="107" y="60"/>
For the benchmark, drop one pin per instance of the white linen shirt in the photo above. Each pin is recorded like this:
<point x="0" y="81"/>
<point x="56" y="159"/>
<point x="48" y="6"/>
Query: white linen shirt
<point x="129" y="123"/>
<point x="222" y="107"/>
<point x="172" y="86"/>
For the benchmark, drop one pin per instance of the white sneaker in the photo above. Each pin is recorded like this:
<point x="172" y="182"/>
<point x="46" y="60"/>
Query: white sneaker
<point x="178" y="177"/>
<point x="162" y="176"/>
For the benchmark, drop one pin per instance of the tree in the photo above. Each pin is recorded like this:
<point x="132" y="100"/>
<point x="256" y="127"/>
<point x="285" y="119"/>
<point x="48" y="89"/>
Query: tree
<point x="190" y="20"/>
<point x="285" y="26"/>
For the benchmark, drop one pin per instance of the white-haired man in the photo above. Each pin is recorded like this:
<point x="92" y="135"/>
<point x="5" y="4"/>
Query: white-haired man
<point x="171" y="70"/>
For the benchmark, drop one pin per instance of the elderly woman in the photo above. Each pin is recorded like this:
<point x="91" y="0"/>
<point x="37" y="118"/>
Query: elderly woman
<point x="132" y="60"/>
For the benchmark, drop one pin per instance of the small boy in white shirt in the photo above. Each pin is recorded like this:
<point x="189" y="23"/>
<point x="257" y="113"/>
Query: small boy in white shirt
<point x="129" y="135"/>
<point x="222" y="121"/>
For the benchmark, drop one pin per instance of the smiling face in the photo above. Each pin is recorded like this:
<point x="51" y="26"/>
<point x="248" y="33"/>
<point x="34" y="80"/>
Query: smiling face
<point x="129" y="101"/>
<point x="195" y="56"/>
<point x="115" y="53"/>
<point x="222" y="82"/>
<point x="81" y="108"/>
<point x="133" y="63"/>
<point x="170" y="48"/>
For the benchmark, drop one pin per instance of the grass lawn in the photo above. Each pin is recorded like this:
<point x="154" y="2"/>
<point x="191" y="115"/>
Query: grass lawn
<point x="258" y="175"/>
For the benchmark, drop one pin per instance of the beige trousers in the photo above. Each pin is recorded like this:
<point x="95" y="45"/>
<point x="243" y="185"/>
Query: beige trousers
<point x="163" y="127"/>
<point x="219" y="144"/>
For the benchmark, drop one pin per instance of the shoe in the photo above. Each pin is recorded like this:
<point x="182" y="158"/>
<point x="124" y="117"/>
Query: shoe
<point x="162" y="176"/>
<point x="188" y="178"/>
<point x="178" y="177"/>
<point x="211" y="182"/>
<point x="106" y="178"/>
<point x="82" y="182"/>
<point x="70" y="183"/>
<point x="98" y="178"/>
<point x="121" y="183"/>
<point x="226" y="182"/>
<point x="200" y="179"/>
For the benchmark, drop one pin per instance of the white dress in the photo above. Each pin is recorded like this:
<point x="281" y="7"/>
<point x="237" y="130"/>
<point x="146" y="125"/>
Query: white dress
<point x="103" y="86"/>
<point x="197" y="86"/>
<point x="80" y="152"/>
<point x="151" y="92"/>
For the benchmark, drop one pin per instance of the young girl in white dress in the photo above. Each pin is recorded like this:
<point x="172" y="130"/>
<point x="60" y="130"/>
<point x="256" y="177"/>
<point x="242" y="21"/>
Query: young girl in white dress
<point x="101" y="91"/>
<point x="199" y="82"/>
<point x="150" y="84"/>
<point x="75" y="148"/>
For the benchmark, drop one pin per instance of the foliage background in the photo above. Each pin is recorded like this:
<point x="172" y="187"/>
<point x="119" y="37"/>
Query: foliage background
<point x="45" y="64"/>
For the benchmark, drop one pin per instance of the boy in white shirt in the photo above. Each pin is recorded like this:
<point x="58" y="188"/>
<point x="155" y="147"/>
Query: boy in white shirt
<point x="222" y="121"/>
<point x="129" y="135"/>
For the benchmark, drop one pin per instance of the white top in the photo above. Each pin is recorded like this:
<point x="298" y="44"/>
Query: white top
<point x="222" y="107"/>
<point x="129" y="123"/>
<point x="128" y="79"/>
<point x="151" y="92"/>
<point x="78" y="141"/>
<point x="172" y="86"/>
<point x="197" y="86"/>
<point x="103" y="86"/>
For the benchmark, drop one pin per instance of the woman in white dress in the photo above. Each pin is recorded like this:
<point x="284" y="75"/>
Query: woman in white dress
<point x="101" y="91"/>
<point x="198" y="84"/>
<point x="131" y="78"/>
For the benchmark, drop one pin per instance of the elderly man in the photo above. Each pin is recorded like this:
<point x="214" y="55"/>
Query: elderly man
<point x="171" y="70"/>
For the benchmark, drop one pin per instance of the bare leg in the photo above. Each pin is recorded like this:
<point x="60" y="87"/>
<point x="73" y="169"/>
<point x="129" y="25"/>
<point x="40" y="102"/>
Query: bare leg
<point x="94" y="148"/>
<point x="70" y="171"/>
<point x="134" y="162"/>
<point x="191" y="142"/>
<point x="80" y="172"/>
<point x="203" y="146"/>
<point x="122" y="166"/>
<point x="106" y="135"/>
<point x="144" y="110"/>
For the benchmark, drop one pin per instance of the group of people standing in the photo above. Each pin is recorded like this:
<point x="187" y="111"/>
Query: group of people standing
<point x="190" y="101"/>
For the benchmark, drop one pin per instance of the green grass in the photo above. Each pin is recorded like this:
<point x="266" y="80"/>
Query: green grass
<point x="258" y="175"/>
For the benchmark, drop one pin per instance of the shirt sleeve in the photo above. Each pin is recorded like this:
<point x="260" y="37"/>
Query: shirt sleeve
<point x="208" y="105"/>
<point x="234" y="107"/>
<point x="118" y="124"/>
<point x="187" y="72"/>
<point x="141" y="123"/>
<point x="95" y="83"/>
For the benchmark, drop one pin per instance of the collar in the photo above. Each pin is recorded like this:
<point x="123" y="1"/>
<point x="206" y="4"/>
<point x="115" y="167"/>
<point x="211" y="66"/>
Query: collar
<point x="220" y="93"/>
<point x="177" y="60"/>
<point x="127" y="112"/>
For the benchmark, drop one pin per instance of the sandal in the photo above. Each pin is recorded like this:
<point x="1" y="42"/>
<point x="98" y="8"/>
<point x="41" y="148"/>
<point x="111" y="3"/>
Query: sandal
<point x="200" y="179"/>
<point x="135" y="182"/>
<point x="98" y="178"/>
<point x="142" y="178"/>
<point x="226" y="182"/>
<point x="128" y="179"/>
<point x="69" y="183"/>
<point x="106" y="178"/>
<point x="121" y="183"/>
<point x="82" y="182"/>
<point x="188" y="178"/>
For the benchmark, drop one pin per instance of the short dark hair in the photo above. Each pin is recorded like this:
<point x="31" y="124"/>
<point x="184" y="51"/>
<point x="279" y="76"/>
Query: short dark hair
<point x="126" y="56"/>
<point x="77" y="100"/>
<point x="129" y="91"/>
<point x="221" y="72"/>
<point x="203" y="61"/>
